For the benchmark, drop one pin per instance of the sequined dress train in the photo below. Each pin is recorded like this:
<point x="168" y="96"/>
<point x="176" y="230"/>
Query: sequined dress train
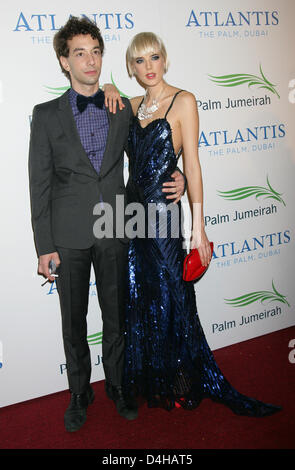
<point x="167" y="357"/>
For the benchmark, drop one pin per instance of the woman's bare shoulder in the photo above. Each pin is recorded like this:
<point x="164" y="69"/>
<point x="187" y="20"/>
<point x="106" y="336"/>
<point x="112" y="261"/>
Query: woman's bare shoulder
<point x="187" y="97"/>
<point x="186" y="102"/>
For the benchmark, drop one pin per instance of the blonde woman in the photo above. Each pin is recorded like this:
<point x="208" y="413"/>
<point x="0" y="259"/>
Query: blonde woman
<point x="167" y="358"/>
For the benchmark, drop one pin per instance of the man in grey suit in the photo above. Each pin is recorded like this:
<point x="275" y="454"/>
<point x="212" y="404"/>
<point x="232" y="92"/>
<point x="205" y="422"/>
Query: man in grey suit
<point x="75" y="161"/>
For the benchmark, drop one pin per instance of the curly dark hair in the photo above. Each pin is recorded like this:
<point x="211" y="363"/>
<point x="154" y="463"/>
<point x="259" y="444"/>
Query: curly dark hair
<point x="74" y="27"/>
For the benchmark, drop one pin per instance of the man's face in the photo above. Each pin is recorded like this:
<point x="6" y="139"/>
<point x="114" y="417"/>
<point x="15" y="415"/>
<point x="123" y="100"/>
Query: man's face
<point x="84" y="62"/>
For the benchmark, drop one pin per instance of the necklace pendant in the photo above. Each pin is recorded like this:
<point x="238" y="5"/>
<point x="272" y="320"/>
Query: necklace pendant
<point x="142" y="115"/>
<point x="154" y="107"/>
<point x="145" y="112"/>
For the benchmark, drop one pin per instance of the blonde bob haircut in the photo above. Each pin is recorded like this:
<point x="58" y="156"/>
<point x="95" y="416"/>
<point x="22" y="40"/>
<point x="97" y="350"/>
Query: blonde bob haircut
<point x="142" y="44"/>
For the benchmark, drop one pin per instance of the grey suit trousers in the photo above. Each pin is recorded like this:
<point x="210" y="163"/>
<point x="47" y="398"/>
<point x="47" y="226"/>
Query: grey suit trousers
<point x="109" y="259"/>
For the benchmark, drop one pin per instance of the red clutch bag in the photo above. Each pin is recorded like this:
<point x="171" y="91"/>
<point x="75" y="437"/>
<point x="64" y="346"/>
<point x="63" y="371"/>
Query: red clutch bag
<point x="192" y="266"/>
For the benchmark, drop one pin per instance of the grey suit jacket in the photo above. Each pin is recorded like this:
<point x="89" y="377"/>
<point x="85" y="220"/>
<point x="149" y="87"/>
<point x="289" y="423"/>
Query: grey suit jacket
<point x="64" y="187"/>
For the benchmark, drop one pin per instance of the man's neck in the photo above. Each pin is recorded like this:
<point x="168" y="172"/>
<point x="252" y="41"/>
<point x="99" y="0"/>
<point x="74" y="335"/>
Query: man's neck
<point x="86" y="90"/>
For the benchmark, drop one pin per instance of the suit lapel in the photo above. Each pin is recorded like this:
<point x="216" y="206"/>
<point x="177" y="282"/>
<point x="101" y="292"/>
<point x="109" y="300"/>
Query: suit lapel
<point x="68" y="124"/>
<point x="107" y="156"/>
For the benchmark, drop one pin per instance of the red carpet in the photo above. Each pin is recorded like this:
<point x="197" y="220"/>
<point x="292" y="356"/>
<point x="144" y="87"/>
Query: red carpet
<point x="258" y="368"/>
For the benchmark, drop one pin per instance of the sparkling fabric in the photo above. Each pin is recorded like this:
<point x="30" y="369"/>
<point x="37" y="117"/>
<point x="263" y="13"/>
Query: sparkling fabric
<point x="93" y="127"/>
<point x="167" y="357"/>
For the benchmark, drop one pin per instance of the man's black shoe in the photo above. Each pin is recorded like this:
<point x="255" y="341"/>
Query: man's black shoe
<point x="126" y="409"/>
<point x="75" y="415"/>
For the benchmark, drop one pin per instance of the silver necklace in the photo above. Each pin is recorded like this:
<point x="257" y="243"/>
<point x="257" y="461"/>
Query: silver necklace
<point x="144" y="111"/>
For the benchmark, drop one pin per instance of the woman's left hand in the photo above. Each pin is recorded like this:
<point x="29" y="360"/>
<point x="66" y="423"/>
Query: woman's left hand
<point x="200" y="241"/>
<point x="112" y="97"/>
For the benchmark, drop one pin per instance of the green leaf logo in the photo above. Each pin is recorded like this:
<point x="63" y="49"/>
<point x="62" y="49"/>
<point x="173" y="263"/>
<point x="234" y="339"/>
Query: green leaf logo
<point x="57" y="91"/>
<point x="96" y="338"/>
<point x="248" y="191"/>
<point x="121" y="93"/>
<point x="241" y="78"/>
<point x="263" y="296"/>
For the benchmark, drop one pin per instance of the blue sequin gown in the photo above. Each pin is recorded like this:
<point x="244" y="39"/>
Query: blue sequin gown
<point x="167" y="358"/>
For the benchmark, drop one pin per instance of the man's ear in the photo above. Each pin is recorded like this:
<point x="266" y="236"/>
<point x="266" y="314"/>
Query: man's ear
<point x="64" y="63"/>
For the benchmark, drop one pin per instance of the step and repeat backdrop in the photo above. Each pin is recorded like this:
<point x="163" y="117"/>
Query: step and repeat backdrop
<point x="237" y="58"/>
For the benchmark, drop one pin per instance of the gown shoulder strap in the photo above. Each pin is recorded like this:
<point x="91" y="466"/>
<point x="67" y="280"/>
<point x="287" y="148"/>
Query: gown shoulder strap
<point x="139" y="105"/>
<point x="171" y="104"/>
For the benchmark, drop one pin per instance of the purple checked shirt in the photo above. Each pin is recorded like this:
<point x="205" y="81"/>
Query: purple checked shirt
<point x="93" y="127"/>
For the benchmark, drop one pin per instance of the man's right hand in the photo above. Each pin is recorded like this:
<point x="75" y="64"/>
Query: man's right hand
<point x="43" y="264"/>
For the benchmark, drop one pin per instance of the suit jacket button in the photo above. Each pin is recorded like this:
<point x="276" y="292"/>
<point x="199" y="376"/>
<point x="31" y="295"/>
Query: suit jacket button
<point x="99" y="179"/>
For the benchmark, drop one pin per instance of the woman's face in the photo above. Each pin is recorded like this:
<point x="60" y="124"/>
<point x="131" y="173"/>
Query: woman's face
<point x="149" y="68"/>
